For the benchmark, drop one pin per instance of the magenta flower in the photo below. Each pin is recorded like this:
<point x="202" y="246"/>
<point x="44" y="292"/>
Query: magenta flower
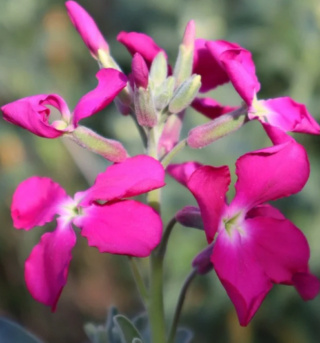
<point x="283" y="113"/>
<point x="105" y="217"/>
<point x="32" y="113"/>
<point x="87" y="28"/>
<point x="255" y="246"/>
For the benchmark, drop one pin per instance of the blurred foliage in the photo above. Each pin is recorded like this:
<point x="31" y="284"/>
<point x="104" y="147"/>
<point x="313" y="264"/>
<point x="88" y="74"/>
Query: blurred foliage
<point x="42" y="53"/>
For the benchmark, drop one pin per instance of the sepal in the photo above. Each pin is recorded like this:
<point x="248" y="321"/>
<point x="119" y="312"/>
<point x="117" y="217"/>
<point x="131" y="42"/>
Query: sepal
<point x="208" y="133"/>
<point x="108" y="148"/>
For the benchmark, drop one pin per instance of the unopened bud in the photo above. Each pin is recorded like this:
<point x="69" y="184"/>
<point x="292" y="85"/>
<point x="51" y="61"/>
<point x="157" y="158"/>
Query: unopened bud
<point x="140" y="71"/>
<point x="206" y="134"/>
<point x="144" y="107"/>
<point x="185" y="94"/>
<point x="108" y="148"/>
<point x="159" y="69"/>
<point x="190" y="216"/>
<point x="184" y="63"/>
<point x="164" y="93"/>
<point x="202" y="262"/>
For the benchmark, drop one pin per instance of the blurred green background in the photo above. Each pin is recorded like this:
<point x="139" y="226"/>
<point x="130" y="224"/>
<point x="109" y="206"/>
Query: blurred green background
<point x="42" y="53"/>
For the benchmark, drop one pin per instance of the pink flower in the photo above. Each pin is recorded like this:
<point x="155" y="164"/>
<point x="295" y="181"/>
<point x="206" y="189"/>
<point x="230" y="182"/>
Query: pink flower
<point x="87" y="28"/>
<point x="106" y="218"/>
<point x="32" y="112"/>
<point x="283" y="113"/>
<point x="255" y="246"/>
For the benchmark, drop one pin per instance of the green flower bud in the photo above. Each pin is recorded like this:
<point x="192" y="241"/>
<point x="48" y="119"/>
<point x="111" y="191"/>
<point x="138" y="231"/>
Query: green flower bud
<point x="185" y="94"/>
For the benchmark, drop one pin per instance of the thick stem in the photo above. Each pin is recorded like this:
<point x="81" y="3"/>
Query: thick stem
<point x="156" y="307"/>
<point x="179" y="306"/>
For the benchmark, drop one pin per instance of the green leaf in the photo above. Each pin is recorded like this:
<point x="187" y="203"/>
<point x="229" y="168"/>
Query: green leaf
<point x="11" y="332"/>
<point x="127" y="331"/>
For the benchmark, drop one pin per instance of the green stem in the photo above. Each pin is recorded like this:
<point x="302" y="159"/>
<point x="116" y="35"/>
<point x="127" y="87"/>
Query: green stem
<point x="138" y="279"/>
<point x="141" y="130"/>
<point x="179" y="306"/>
<point x="156" y="307"/>
<point x="170" y="155"/>
<point x="163" y="245"/>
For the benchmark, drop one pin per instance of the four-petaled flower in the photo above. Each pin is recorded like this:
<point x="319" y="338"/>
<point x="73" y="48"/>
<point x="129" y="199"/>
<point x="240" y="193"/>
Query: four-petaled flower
<point x="255" y="246"/>
<point x="106" y="218"/>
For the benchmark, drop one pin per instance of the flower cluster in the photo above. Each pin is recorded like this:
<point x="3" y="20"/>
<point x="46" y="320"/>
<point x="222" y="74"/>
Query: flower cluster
<point x="251" y="245"/>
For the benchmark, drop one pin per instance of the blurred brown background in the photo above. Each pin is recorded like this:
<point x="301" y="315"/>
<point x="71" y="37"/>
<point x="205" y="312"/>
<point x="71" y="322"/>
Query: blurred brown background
<point x="42" y="53"/>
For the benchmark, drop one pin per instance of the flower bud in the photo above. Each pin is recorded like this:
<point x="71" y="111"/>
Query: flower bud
<point x="144" y="107"/>
<point x="164" y="93"/>
<point x="108" y="148"/>
<point x="159" y="69"/>
<point x="206" y="134"/>
<point x="185" y="94"/>
<point x="202" y="261"/>
<point x="184" y="63"/>
<point x="190" y="216"/>
<point x="140" y="71"/>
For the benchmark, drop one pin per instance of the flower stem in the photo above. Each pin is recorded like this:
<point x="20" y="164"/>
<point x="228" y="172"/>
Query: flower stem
<point x="163" y="245"/>
<point x="138" y="279"/>
<point x="180" y="302"/>
<point x="170" y="155"/>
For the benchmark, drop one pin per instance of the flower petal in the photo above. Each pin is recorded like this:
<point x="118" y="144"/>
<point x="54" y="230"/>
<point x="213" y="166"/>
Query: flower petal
<point x="36" y="201"/>
<point x="280" y="248"/>
<point x="240" y="273"/>
<point x="270" y="174"/>
<point x="87" y="28"/>
<point x="124" y="227"/>
<point x="31" y="114"/>
<point x="209" y="186"/>
<point x="307" y="285"/>
<point x="134" y="176"/>
<point x="204" y="64"/>
<point x="110" y="84"/>
<point x="238" y="65"/>
<point x="210" y="107"/>
<point x="286" y="114"/>
<point x="181" y="172"/>
<point x="46" y="269"/>
<point x="141" y="43"/>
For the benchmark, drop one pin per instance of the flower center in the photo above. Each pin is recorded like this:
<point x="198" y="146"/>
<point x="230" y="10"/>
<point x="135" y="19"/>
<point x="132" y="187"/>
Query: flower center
<point x="259" y="110"/>
<point x="233" y="223"/>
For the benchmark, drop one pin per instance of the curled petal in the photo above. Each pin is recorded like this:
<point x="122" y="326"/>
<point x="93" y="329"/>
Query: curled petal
<point x="285" y="114"/>
<point x="210" y="107"/>
<point x="134" y="176"/>
<point x="87" y="28"/>
<point x="141" y="43"/>
<point x="181" y="172"/>
<point x="205" y="65"/>
<point x="46" y="269"/>
<point x="270" y="174"/>
<point x="124" y="227"/>
<point x="240" y="273"/>
<point x="110" y="84"/>
<point x="238" y="65"/>
<point x="209" y="186"/>
<point x="307" y="285"/>
<point x="31" y="114"/>
<point x="265" y="210"/>
<point x="36" y="201"/>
